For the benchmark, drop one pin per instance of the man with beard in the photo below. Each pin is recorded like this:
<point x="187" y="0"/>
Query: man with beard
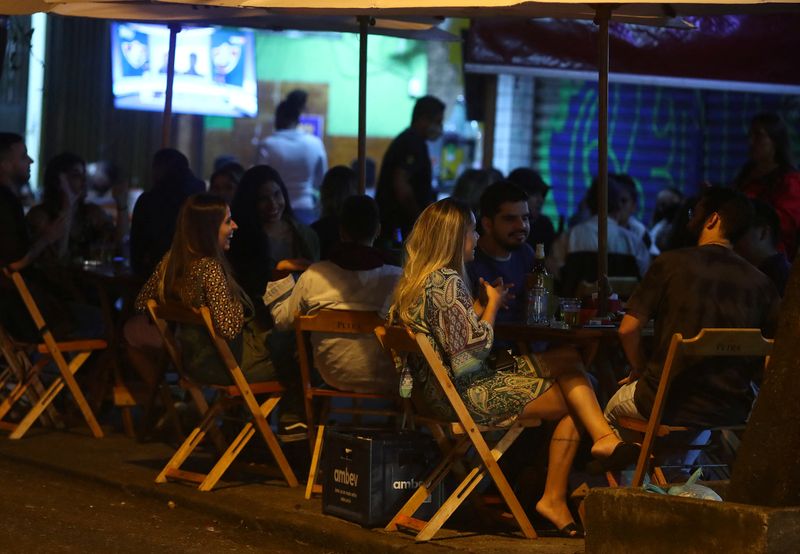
<point x="684" y="291"/>
<point x="404" y="184"/>
<point x="502" y="251"/>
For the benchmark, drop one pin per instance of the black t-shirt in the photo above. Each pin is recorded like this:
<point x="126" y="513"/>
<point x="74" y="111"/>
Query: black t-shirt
<point x="684" y="291"/>
<point x="408" y="151"/>
<point x="14" y="239"/>
<point x="777" y="268"/>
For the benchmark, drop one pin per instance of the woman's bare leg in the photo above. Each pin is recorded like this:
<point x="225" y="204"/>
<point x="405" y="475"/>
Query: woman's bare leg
<point x="563" y="447"/>
<point x="564" y="364"/>
<point x="583" y="404"/>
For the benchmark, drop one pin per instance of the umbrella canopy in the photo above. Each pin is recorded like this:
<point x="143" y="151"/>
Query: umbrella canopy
<point x="639" y="12"/>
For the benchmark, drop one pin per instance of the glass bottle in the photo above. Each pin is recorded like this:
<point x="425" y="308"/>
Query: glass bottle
<point x="540" y="290"/>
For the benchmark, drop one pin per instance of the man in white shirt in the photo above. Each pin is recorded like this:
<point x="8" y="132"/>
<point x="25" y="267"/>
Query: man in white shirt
<point x="583" y="237"/>
<point x="355" y="277"/>
<point x="298" y="157"/>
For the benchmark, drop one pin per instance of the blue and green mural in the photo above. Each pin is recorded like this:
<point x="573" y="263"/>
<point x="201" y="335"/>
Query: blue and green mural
<point x="662" y="137"/>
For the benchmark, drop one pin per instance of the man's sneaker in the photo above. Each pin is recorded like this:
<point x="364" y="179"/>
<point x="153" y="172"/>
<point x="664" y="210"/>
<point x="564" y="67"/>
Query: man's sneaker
<point x="292" y="431"/>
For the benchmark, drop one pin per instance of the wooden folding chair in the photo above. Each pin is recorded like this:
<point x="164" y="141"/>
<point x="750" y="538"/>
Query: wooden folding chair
<point x="16" y="371"/>
<point x="350" y="322"/>
<point x="708" y="343"/>
<point x="29" y="382"/>
<point x="241" y="392"/>
<point x="469" y="446"/>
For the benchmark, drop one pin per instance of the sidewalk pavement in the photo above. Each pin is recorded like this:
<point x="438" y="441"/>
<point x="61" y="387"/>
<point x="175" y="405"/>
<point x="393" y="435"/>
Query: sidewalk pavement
<point x="269" y="506"/>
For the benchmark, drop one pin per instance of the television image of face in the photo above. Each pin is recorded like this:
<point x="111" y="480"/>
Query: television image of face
<point x="214" y="70"/>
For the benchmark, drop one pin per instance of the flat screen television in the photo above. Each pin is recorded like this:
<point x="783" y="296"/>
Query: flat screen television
<point x="215" y="69"/>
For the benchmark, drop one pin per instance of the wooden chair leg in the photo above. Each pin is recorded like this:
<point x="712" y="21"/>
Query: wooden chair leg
<point x="271" y="440"/>
<point x="473" y="478"/>
<point x="241" y="441"/>
<point x="405" y="516"/>
<point x="191" y="442"/>
<point x="315" y="459"/>
<point x="202" y="408"/>
<point x="36" y="410"/>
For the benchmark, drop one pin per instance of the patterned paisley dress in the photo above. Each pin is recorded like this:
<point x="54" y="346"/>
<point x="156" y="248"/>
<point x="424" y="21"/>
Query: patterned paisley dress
<point x="445" y="314"/>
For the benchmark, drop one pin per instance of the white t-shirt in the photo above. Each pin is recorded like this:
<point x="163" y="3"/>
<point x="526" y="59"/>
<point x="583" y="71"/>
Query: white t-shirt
<point x="300" y="160"/>
<point x="346" y="362"/>
<point x="583" y="238"/>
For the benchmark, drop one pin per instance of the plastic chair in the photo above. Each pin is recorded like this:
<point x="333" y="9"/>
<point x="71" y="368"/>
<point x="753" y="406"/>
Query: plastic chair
<point x="708" y="343"/>
<point x="241" y="392"/>
<point x="469" y="445"/>
<point x="29" y="384"/>
<point x="348" y="322"/>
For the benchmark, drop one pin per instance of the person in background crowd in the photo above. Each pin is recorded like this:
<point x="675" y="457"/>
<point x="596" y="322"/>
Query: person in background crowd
<point x="269" y="237"/>
<point x="224" y="181"/>
<point x="502" y="251"/>
<point x="106" y="188"/>
<point x="542" y="230"/>
<point x="156" y="210"/>
<point x="668" y="202"/>
<point x="16" y="249"/>
<point x="356" y="277"/>
<point x="339" y="183"/>
<point x="65" y="317"/>
<point x="759" y="245"/>
<point x="433" y="298"/>
<point x="684" y="291"/>
<point x="297" y="156"/>
<point x="770" y="175"/>
<point x="406" y="175"/>
<point x="470" y="186"/>
<point x="629" y="204"/>
<point x="90" y="232"/>
<point x="583" y="237"/>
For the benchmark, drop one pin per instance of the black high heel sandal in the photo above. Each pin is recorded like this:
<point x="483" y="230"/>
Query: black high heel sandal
<point x="624" y="455"/>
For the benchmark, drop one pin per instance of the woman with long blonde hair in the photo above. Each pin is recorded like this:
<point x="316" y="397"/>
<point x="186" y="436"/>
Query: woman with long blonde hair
<point x="195" y="273"/>
<point x="432" y="297"/>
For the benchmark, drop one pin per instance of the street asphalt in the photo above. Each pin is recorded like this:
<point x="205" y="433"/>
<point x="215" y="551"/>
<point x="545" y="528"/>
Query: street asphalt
<point x="268" y="509"/>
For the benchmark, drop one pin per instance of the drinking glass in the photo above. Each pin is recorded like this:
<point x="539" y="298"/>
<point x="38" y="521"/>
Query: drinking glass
<point x="570" y="311"/>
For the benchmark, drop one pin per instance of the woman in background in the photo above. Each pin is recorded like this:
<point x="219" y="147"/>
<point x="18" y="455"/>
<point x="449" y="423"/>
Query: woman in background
<point x="770" y="175"/>
<point x="90" y="231"/>
<point x="269" y="237"/>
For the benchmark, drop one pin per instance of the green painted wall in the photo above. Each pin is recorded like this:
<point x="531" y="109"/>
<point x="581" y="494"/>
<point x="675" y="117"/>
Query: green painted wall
<point x="333" y="59"/>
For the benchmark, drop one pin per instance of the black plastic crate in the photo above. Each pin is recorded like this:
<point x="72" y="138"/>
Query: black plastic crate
<point x="368" y="476"/>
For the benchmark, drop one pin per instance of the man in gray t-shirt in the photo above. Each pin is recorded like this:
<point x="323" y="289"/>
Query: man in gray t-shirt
<point x="685" y="291"/>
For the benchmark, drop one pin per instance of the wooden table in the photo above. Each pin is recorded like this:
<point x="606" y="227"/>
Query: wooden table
<point x="588" y="340"/>
<point x="112" y="282"/>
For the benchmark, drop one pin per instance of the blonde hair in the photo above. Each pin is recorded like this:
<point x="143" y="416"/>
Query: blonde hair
<point x="435" y="242"/>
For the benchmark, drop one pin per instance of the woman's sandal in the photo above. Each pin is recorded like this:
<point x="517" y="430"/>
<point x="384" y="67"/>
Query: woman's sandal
<point x="569" y="531"/>
<point x="624" y="455"/>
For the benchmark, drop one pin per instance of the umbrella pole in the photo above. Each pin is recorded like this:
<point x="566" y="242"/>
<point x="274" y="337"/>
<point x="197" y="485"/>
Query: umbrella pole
<point x="601" y="19"/>
<point x="166" y="124"/>
<point x="363" y="21"/>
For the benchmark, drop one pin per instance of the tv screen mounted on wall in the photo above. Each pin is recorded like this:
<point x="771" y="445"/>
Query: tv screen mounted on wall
<point x="215" y="70"/>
